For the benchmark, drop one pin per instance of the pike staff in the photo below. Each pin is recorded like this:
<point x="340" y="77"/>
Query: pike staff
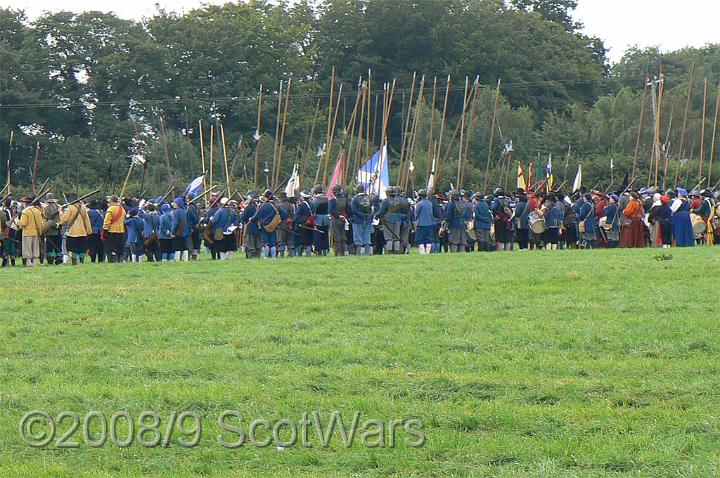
<point x="413" y="133"/>
<point x="714" y="134"/>
<point x="640" y="126"/>
<point x="492" y="135"/>
<point x="470" y="127"/>
<point x="702" y="130"/>
<point x="282" y="133"/>
<point x="257" y="139"/>
<point x="684" y="126"/>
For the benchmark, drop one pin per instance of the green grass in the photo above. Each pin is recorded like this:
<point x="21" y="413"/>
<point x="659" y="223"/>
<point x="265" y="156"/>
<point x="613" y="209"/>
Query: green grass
<point x="597" y="363"/>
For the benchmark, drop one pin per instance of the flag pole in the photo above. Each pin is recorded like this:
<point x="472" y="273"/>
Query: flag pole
<point x="492" y="136"/>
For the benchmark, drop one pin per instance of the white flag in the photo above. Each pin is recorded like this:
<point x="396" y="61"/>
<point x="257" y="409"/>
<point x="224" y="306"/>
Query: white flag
<point x="431" y="179"/>
<point x="293" y="184"/>
<point x="578" y="179"/>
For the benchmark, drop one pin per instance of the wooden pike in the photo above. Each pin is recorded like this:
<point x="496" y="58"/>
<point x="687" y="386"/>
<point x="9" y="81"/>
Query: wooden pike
<point x="470" y="127"/>
<point x="328" y="152"/>
<point x="8" y="183"/>
<point x="35" y="167"/>
<point x="413" y="133"/>
<point x="308" y="146"/>
<point x="462" y="133"/>
<point x="714" y="135"/>
<point x="202" y="157"/>
<point x="351" y="127"/>
<point x="702" y="131"/>
<point x="442" y="127"/>
<point x="406" y="129"/>
<point x="492" y="136"/>
<point x="282" y="134"/>
<point x="225" y="158"/>
<point x="431" y="142"/>
<point x="166" y="147"/>
<point x="640" y="126"/>
<point x="259" y="136"/>
<point x="358" y="149"/>
<point x="681" y="149"/>
<point x="330" y="125"/>
<point x="212" y="153"/>
<point x="277" y="133"/>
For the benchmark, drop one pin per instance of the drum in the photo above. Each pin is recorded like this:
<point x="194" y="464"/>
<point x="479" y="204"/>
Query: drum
<point x="537" y="222"/>
<point x="698" y="225"/>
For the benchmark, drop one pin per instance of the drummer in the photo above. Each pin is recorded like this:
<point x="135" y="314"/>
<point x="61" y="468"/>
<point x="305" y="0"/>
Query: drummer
<point x="535" y="205"/>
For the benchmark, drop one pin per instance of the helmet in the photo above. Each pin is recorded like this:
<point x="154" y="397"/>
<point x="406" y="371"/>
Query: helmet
<point x="337" y="188"/>
<point x="422" y="193"/>
<point x="359" y="188"/>
<point x="317" y="189"/>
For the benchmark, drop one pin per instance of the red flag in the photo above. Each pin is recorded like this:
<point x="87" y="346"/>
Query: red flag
<point x="337" y="177"/>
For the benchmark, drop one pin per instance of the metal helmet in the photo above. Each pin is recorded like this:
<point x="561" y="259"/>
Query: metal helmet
<point x="422" y="193"/>
<point x="317" y="189"/>
<point x="359" y="188"/>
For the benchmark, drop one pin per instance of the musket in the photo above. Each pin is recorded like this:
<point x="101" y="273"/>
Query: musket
<point x="302" y="226"/>
<point x="716" y="185"/>
<point x="41" y="191"/>
<point x="207" y="191"/>
<point x="80" y="199"/>
<point x="558" y="188"/>
<point x="595" y="187"/>
<point x="628" y="186"/>
<point x="698" y="184"/>
<point x="172" y="186"/>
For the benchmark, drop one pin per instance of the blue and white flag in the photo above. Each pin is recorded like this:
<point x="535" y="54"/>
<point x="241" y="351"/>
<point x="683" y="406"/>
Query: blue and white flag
<point x="375" y="174"/>
<point x="194" y="186"/>
<point x="549" y="174"/>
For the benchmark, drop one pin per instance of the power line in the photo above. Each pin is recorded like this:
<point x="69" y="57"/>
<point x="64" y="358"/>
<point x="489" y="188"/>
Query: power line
<point x="254" y="98"/>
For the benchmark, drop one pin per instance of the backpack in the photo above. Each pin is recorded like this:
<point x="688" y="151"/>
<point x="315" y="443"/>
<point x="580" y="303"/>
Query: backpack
<point x="275" y="221"/>
<point x="364" y="204"/>
<point x="459" y="209"/>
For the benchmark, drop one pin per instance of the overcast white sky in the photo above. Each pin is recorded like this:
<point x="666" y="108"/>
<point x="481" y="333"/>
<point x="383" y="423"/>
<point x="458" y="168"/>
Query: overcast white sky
<point x="671" y="24"/>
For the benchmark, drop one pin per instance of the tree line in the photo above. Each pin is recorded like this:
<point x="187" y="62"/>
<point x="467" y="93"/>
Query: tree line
<point x="87" y="92"/>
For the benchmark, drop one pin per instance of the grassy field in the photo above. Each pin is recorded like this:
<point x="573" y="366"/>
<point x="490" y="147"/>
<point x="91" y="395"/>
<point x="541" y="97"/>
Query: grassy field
<point x="598" y="363"/>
